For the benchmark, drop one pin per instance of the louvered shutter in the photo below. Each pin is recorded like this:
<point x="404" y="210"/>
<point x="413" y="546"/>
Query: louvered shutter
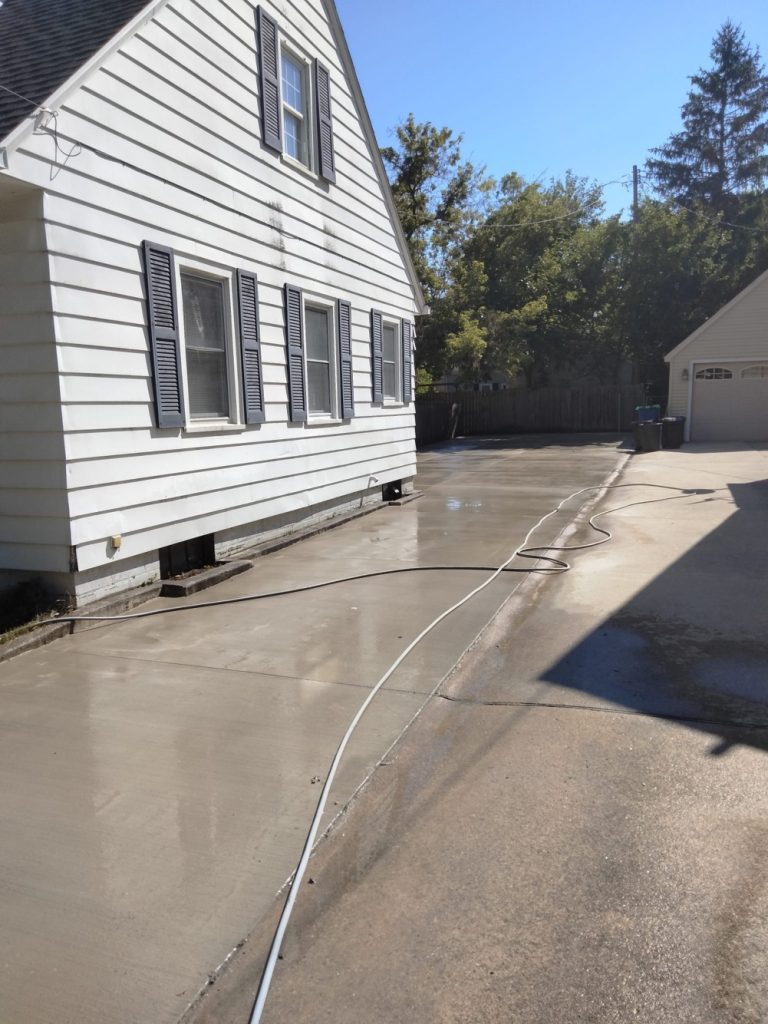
<point x="269" y="80"/>
<point x="377" y="356"/>
<point x="407" y="337"/>
<point x="162" y="318"/>
<point x="250" y="346"/>
<point x="345" y="359"/>
<point x="326" y="165"/>
<point x="294" y="334"/>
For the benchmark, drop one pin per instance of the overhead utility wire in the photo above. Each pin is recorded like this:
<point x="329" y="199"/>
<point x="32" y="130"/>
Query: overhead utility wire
<point x="512" y="225"/>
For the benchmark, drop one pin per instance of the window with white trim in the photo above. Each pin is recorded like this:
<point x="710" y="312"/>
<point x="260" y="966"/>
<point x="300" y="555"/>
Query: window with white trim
<point x="295" y="95"/>
<point x="759" y="372"/>
<point x="296" y="106"/>
<point x="320" y="354"/>
<point x="205" y="304"/>
<point x="204" y="341"/>
<point x="390" y="348"/>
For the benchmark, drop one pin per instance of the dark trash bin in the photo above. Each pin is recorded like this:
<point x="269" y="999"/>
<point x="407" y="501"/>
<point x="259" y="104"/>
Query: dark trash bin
<point x="672" y="431"/>
<point x="647" y="437"/>
<point x="647" y="413"/>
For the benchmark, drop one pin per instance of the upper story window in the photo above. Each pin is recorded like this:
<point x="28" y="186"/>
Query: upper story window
<point x="714" y="373"/>
<point x="295" y="120"/>
<point x="295" y="101"/>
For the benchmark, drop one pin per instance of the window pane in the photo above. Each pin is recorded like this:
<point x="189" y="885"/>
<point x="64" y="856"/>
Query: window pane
<point x="388" y="343"/>
<point x="316" y="324"/>
<point x="203" y="311"/>
<point x="319" y="378"/>
<point x="292" y="84"/>
<point x="207" y="379"/>
<point x="205" y="346"/>
<point x="389" y="380"/>
<point x="292" y="144"/>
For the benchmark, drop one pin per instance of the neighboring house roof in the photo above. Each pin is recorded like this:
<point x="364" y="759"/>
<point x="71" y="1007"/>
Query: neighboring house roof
<point x="44" y="42"/>
<point x="716" y="316"/>
<point x="47" y="45"/>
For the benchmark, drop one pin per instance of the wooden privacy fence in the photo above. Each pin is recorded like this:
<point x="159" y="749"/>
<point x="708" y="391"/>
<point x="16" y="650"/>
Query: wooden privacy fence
<point x="442" y="415"/>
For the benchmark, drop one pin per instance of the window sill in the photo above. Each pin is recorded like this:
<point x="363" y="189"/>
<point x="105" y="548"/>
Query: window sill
<point x="297" y="165"/>
<point x="214" y="428"/>
<point x="323" y="421"/>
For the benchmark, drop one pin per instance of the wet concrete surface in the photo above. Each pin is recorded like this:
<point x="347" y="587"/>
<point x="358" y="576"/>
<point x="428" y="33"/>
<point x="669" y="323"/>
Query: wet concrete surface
<point x="576" y="829"/>
<point x="158" y="775"/>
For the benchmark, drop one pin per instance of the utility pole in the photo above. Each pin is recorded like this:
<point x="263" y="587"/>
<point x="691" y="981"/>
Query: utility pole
<point x="635" y="183"/>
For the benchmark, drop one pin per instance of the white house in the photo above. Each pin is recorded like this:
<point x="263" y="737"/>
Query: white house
<point x="206" y="299"/>
<point x="718" y="376"/>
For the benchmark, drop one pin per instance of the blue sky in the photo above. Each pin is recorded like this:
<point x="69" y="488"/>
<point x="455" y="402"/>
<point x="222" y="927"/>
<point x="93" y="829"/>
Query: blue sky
<point x="538" y="88"/>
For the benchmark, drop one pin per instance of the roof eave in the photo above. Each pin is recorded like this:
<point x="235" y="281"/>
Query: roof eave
<point x="716" y="316"/>
<point x="378" y="163"/>
<point x="26" y="127"/>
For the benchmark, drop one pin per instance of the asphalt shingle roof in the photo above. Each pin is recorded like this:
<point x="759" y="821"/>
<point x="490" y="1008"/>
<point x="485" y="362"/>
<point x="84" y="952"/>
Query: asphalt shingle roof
<point x="44" y="42"/>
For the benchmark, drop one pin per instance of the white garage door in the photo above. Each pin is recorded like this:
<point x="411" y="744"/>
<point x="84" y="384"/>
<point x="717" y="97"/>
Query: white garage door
<point x="730" y="402"/>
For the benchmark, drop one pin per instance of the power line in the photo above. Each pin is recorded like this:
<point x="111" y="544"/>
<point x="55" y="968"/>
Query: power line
<point x="512" y="225"/>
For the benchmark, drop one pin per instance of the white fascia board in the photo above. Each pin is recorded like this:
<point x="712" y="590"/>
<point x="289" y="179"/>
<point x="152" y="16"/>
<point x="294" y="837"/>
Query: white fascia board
<point x="62" y="94"/>
<point x="716" y="316"/>
<point x="370" y="134"/>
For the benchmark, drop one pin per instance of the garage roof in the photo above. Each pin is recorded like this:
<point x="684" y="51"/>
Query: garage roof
<point x="716" y="316"/>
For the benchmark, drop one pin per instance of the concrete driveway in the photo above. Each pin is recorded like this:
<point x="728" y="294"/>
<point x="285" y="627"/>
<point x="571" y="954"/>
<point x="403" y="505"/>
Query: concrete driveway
<point x="158" y="775"/>
<point x="576" y="828"/>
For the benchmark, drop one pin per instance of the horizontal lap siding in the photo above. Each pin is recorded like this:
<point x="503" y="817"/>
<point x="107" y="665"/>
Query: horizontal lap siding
<point x="34" y="530"/>
<point x="177" y="112"/>
<point x="741" y="332"/>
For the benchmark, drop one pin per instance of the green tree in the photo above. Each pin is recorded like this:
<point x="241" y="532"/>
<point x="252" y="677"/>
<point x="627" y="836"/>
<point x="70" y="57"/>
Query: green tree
<point x="721" y="151"/>
<point x="437" y="195"/>
<point x="676" y="269"/>
<point x="545" y="253"/>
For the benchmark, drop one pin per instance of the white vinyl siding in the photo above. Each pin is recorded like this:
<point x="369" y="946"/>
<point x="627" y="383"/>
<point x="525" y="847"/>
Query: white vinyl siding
<point x="34" y="515"/>
<point x="176" y="110"/>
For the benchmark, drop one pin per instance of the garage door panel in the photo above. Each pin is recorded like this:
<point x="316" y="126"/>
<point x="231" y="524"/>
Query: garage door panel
<point x="730" y="402"/>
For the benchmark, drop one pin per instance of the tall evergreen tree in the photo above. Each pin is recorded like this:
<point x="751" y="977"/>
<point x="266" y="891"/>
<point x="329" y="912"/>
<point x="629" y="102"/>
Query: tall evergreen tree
<point x="722" y="150"/>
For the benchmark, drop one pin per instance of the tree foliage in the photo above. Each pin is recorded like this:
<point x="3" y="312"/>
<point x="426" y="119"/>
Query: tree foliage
<point x="533" y="280"/>
<point x="436" y="194"/>
<point x="721" y="151"/>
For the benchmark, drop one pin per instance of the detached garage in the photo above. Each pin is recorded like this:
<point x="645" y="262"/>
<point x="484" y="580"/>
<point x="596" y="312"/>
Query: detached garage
<point x="718" y="376"/>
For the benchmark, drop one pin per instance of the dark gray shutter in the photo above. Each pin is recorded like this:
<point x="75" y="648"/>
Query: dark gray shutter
<point x="269" y="80"/>
<point x="294" y="336"/>
<point x="377" y="356"/>
<point x="407" y="337"/>
<point x="345" y="360"/>
<point x="162" y="318"/>
<point x="250" y="346"/>
<point x="326" y="165"/>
